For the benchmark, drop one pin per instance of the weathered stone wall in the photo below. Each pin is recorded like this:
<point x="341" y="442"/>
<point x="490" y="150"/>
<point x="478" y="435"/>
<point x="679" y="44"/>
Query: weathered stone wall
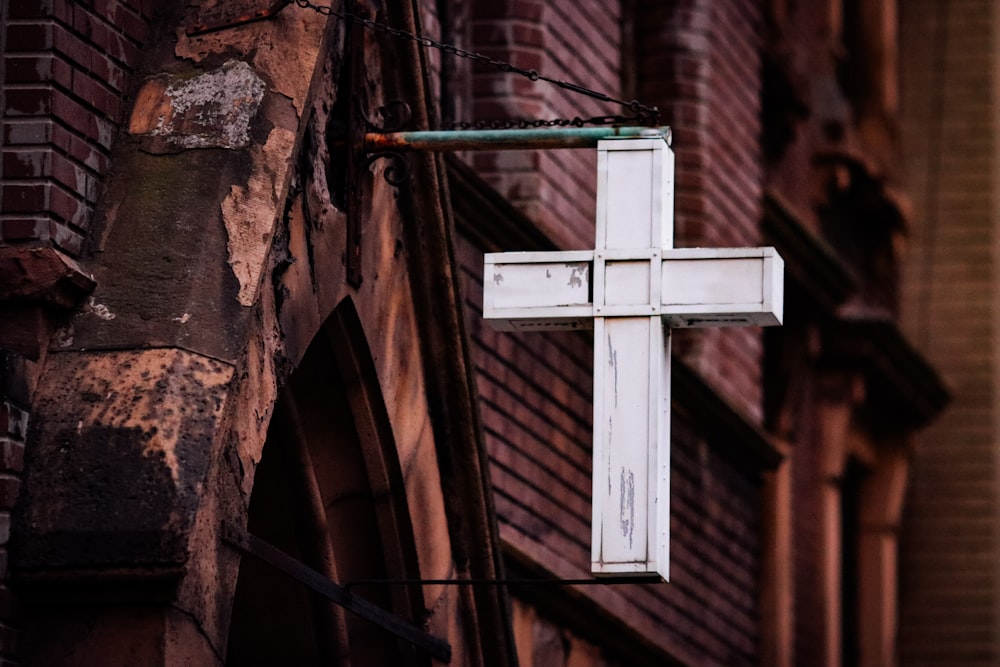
<point x="217" y="257"/>
<point x="118" y="485"/>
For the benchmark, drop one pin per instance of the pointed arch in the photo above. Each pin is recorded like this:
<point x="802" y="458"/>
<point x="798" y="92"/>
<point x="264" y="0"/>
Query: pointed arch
<point x="329" y="490"/>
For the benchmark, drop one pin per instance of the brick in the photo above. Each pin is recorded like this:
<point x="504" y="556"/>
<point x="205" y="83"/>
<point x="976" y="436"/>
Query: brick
<point x="17" y="229"/>
<point x="96" y="95"/>
<point x="35" y="162"/>
<point x="507" y="9"/>
<point x="66" y="239"/>
<point x="68" y="208"/>
<point x="74" y="177"/>
<point x="529" y="10"/>
<point x="69" y="173"/>
<point x="113" y="39"/>
<point x="11" y="455"/>
<point x="13" y="421"/>
<point x="29" y="9"/>
<point x="27" y="69"/>
<point x="27" y="132"/>
<point x="62" y="10"/>
<point x="123" y="50"/>
<point x="108" y="9"/>
<point x="74" y="115"/>
<point x="30" y="36"/>
<point x="10" y="486"/>
<point x="145" y="7"/>
<point x="86" y="154"/>
<point x="527" y="35"/>
<point x="134" y="26"/>
<point x="77" y="51"/>
<point x="105" y="132"/>
<point x="24" y="197"/>
<point x="66" y="235"/>
<point x="106" y="70"/>
<point x="84" y="22"/>
<point x="29" y="101"/>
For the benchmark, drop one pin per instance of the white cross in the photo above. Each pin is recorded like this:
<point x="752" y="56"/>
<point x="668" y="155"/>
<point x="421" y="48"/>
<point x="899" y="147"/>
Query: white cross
<point x="633" y="288"/>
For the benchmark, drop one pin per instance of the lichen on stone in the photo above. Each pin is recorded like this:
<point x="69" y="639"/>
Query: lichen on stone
<point x="211" y="110"/>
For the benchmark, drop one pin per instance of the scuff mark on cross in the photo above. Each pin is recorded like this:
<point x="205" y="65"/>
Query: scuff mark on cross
<point x="642" y="287"/>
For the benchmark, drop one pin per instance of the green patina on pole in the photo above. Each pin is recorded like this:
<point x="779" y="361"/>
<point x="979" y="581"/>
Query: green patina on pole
<point x="515" y="139"/>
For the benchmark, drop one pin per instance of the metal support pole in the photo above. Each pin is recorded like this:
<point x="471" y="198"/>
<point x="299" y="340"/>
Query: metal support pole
<point x="511" y="139"/>
<point x="437" y="647"/>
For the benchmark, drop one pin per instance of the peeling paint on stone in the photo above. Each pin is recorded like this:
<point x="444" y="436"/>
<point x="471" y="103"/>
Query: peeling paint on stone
<point x="249" y="213"/>
<point x="211" y="110"/>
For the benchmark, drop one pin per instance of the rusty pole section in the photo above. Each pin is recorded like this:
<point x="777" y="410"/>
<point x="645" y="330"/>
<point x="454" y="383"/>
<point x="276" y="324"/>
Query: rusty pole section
<point x="495" y="140"/>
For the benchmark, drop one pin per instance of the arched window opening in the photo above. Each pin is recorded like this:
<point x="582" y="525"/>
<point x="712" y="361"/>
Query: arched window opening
<point x="328" y="491"/>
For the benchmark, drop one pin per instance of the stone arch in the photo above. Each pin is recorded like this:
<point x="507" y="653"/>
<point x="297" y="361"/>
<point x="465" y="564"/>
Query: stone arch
<point x="329" y="490"/>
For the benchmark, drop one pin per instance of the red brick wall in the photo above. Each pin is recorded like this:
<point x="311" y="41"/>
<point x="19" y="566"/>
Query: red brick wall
<point x="66" y="69"/>
<point x="577" y="42"/>
<point x="699" y="61"/>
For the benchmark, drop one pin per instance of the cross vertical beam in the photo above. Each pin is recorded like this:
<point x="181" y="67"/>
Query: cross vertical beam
<point x="631" y="450"/>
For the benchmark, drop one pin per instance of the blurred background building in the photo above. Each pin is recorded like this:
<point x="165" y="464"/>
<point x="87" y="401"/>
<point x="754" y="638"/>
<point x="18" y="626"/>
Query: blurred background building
<point x="948" y="131"/>
<point x="222" y="325"/>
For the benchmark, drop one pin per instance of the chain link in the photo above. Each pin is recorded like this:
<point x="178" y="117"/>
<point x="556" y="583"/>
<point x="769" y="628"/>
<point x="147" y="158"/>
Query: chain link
<point x="526" y="123"/>
<point x="642" y="114"/>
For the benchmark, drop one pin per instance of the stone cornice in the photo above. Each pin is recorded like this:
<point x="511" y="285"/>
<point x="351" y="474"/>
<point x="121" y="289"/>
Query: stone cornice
<point x="902" y="389"/>
<point x="811" y="265"/>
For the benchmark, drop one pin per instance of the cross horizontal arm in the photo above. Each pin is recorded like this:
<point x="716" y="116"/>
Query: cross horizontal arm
<point x="514" y="139"/>
<point x="687" y="287"/>
<point x="538" y="290"/>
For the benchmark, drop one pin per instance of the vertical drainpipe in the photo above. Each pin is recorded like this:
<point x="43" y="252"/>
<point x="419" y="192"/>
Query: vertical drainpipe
<point x="435" y="289"/>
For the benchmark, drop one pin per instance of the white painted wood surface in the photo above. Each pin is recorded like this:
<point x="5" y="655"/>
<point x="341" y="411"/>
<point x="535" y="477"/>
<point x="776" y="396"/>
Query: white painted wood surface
<point x="632" y="289"/>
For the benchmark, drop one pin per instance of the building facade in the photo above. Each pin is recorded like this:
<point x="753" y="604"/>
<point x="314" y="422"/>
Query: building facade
<point x="949" y="132"/>
<point x="251" y="413"/>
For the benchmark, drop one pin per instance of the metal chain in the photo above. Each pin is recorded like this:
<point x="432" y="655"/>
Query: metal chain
<point x="642" y="114"/>
<point x="525" y="123"/>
